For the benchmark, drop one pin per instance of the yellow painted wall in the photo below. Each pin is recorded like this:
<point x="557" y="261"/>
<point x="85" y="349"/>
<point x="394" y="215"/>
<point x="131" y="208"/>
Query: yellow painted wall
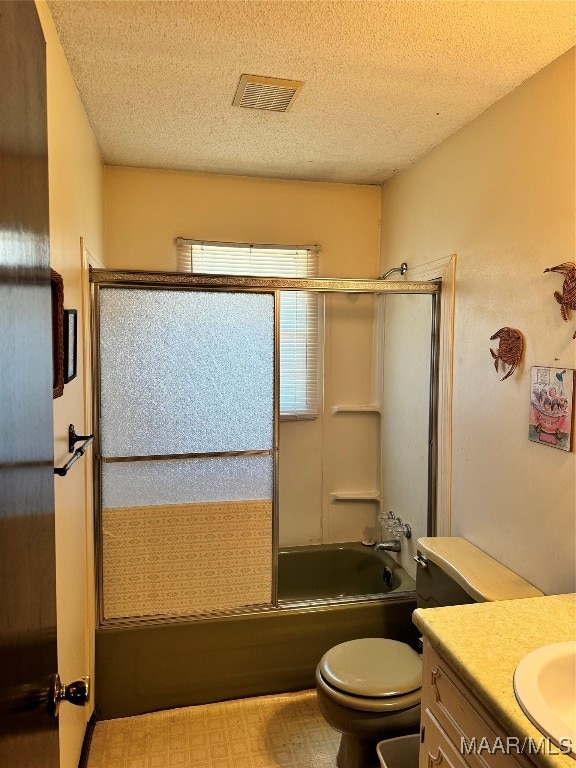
<point x="76" y="210"/>
<point x="147" y="209"/>
<point x="501" y="195"/>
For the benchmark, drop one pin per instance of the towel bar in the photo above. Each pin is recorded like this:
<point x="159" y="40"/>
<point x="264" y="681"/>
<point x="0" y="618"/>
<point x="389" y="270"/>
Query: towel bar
<point x="73" y="438"/>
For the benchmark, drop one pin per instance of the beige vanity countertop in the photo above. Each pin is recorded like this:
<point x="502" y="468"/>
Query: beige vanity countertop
<point x="484" y="642"/>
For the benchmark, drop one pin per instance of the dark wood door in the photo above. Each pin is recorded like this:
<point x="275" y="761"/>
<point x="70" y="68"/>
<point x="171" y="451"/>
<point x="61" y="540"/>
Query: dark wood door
<point x="28" y="735"/>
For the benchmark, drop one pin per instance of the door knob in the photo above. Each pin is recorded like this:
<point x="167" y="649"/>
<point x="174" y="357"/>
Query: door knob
<point x="77" y="693"/>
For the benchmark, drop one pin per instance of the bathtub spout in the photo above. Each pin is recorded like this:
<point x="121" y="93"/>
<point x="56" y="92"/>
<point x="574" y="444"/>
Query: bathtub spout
<point x="390" y="546"/>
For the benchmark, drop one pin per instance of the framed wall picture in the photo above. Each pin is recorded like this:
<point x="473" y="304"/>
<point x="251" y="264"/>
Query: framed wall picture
<point x="70" y="343"/>
<point x="551" y="406"/>
<point x="57" y="288"/>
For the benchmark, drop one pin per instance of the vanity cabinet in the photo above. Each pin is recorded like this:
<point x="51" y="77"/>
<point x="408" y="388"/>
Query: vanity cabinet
<point x="456" y="730"/>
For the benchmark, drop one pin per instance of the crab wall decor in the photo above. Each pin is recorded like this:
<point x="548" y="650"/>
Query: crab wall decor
<point x="566" y="299"/>
<point x="509" y="349"/>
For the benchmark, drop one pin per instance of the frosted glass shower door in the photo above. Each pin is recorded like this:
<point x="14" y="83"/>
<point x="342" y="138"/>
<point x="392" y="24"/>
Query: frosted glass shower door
<point x="187" y="404"/>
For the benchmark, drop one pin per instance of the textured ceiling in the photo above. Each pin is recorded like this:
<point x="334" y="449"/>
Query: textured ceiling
<point x="384" y="81"/>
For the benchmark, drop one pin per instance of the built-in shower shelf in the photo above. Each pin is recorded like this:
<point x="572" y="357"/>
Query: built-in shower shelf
<point x="371" y="495"/>
<point x="355" y="409"/>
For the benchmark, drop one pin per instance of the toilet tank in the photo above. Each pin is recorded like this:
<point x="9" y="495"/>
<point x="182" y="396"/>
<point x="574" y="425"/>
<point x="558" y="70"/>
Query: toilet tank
<point x="435" y="588"/>
<point x="452" y="571"/>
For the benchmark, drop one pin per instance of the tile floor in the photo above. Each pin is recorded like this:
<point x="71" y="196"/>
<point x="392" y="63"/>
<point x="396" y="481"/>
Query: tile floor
<point x="265" y="732"/>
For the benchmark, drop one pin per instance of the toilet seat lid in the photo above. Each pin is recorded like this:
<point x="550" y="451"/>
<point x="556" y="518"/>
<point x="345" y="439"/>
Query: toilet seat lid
<point x="372" y="666"/>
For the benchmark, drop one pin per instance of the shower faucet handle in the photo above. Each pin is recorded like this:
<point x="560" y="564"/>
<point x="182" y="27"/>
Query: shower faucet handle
<point x="394" y="524"/>
<point x="401" y="528"/>
<point x="387" y="519"/>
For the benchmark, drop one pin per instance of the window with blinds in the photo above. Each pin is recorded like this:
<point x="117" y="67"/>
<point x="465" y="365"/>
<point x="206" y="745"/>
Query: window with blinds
<point x="298" y="309"/>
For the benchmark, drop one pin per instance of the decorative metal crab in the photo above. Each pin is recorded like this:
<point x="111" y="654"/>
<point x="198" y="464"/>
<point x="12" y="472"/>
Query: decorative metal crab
<point x="509" y="349"/>
<point x="566" y="299"/>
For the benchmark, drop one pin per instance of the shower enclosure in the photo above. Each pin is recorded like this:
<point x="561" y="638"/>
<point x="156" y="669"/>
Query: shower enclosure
<point x="195" y="504"/>
<point x="211" y="511"/>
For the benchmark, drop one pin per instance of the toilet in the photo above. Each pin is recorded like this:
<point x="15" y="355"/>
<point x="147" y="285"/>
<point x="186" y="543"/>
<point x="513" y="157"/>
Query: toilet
<point x="369" y="689"/>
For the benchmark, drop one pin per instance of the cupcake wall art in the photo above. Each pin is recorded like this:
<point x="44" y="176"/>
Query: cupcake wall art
<point x="551" y="406"/>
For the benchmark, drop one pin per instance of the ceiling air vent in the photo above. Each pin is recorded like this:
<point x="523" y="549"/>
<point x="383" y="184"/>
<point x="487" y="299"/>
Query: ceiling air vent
<point x="271" y="93"/>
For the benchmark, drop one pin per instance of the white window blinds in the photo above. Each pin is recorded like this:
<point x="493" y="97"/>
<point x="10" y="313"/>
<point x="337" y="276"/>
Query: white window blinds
<point x="298" y="309"/>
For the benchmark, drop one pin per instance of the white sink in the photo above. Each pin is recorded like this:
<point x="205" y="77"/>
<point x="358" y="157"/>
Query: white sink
<point x="545" y="686"/>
